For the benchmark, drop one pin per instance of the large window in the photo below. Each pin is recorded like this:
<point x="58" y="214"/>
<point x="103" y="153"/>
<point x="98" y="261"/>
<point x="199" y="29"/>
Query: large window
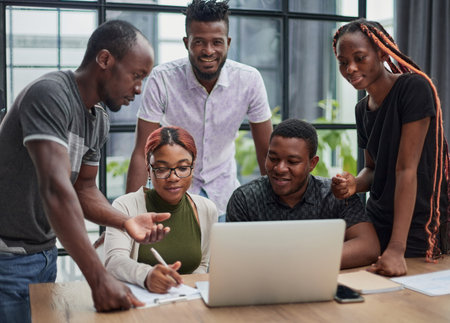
<point x="288" y="41"/>
<point x="39" y="40"/>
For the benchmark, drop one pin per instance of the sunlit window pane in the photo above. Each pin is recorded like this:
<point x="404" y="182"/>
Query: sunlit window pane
<point x="58" y="42"/>
<point x="171" y="27"/>
<point x="337" y="151"/>
<point x="23" y="76"/>
<point x="383" y="12"/>
<point x="119" y="148"/>
<point x="333" y="7"/>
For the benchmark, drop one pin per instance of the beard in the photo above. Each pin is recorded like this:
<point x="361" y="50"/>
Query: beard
<point x="114" y="107"/>
<point x="107" y="100"/>
<point x="205" y="76"/>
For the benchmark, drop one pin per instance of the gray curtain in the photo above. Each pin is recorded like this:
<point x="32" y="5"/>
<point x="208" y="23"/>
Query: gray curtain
<point x="423" y="33"/>
<point x="2" y="105"/>
<point x="310" y="60"/>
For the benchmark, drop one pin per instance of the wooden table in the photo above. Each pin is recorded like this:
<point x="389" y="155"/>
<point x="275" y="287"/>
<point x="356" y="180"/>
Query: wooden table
<point x="72" y="302"/>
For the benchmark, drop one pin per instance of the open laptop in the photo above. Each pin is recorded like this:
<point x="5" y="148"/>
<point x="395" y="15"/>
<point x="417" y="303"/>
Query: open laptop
<point x="272" y="262"/>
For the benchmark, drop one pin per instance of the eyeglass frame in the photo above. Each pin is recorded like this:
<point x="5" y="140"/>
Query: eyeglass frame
<point x="172" y="169"/>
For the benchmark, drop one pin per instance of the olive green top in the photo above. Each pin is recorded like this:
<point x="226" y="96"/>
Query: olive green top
<point x="183" y="243"/>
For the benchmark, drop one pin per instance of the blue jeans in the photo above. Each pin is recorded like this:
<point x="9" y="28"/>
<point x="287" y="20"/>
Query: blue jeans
<point x="16" y="273"/>
<point x="222" y="217"/>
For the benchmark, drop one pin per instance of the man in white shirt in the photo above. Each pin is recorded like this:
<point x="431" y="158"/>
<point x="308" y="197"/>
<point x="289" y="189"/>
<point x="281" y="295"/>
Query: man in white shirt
<point x="209" y="96"/>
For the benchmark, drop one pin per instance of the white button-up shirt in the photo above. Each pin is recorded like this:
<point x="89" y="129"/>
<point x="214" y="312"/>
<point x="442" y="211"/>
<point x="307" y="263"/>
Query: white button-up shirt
<point x="173" y="96"/>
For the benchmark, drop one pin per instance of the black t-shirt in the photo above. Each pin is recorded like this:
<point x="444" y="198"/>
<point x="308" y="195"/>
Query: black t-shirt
<point x="410" y="99"/>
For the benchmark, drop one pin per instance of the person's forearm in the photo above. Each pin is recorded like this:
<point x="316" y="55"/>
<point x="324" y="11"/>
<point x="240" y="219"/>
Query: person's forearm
<point x="61" y="204"/>
<point x="261" y="135"/>
<point x="261" y="163"/>
<point x="404" y="202"/>
<point x="364" y="180"/>
<point x="358" y="252"/>
<point x="118" y="258"/>
<point x="137" y="173"/>
<point x="66" y="218"/>
<point x="361" y="246"/>
<point x="97" y="209"/>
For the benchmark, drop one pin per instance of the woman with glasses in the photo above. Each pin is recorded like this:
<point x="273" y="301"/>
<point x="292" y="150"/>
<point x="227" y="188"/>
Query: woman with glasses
<point x="170" y="155"/>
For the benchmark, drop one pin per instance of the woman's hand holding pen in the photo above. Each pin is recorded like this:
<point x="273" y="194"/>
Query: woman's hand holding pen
<point x="343" y="185"/>
<point x="162" y="278"/>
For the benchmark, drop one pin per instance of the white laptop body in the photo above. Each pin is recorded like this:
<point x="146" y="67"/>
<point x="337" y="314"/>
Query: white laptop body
<point x="270" y="262"/>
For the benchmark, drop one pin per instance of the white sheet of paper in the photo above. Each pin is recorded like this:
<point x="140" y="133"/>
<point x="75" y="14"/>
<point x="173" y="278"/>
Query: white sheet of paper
<point x="152" y="299"/>
<point x="431" y="284"/>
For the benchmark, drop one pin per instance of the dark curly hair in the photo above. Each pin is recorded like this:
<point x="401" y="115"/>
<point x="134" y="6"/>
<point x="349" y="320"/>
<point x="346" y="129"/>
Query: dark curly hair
<point x="206" y="11"/>
<point x="294" y="128"/>
<point x="117" y="36"/>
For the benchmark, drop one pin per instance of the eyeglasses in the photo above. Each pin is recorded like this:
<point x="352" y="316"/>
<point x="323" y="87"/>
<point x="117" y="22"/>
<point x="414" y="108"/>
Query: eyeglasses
<point x="165" y="172"/>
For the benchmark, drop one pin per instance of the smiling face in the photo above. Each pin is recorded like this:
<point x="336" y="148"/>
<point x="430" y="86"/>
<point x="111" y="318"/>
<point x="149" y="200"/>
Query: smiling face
<point x="359" y="62"/>
<point x="288" y="165"/>
<point x="207" y="43"/>
<point x="173" y="188"/>
<point x="125" y="76"/>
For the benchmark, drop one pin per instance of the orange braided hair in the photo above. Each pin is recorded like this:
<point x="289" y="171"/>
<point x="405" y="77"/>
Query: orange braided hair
<point x="382" y="40"/>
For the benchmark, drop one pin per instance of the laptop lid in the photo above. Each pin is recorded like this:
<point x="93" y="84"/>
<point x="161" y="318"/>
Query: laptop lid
<point x="271" y="262"/>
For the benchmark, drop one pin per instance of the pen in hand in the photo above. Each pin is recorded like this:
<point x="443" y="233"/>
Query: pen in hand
<point x="158" y="257"/>
<point x="161" y="261"/>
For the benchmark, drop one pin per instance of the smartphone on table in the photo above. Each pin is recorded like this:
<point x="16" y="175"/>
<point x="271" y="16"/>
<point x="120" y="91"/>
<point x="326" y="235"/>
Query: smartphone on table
<point x="345" y="294"/>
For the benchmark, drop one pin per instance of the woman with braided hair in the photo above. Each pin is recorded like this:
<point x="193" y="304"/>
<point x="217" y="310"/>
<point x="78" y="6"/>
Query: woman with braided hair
<point x="399" y="126"/>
